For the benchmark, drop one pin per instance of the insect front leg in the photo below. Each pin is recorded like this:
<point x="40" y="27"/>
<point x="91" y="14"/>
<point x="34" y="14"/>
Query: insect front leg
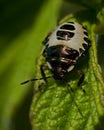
<point x="42" y="72"/>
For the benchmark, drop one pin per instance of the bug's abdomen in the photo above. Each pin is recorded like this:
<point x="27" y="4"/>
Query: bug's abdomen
<point x="72" y="35"/>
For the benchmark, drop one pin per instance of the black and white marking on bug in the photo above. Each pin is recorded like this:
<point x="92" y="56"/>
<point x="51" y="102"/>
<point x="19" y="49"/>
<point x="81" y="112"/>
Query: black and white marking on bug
<point x="63" y="48"/>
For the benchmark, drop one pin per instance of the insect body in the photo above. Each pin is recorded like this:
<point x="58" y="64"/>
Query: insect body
<point x="63" y="47"/>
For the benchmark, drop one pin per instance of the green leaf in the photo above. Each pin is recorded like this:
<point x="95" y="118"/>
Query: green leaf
<point x="55" y="106"/>
<point x="100" y="26"/>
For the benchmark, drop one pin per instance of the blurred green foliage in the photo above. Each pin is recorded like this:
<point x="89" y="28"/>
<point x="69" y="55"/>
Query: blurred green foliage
<point x="23" y="26"/>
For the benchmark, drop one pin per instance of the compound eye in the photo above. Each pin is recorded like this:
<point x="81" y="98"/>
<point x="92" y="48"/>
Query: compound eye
<point x="75" y="53"/>
<point x="72" y="54"/>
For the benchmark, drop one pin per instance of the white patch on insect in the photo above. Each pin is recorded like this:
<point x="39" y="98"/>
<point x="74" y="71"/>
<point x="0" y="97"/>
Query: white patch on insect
<point x="70" y="68"/>
<point x="48" y="64"/>
<point x="75" y="42"/>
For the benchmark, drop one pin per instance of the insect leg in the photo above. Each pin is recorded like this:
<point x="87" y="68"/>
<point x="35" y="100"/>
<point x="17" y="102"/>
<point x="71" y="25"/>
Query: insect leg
<point x="42" y="72"/>
<point x="79" y="84"/>
<point x="81" y="78"/>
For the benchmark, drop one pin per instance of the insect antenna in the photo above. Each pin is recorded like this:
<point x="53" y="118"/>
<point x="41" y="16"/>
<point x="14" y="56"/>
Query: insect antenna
<point x="34" y="79"/>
